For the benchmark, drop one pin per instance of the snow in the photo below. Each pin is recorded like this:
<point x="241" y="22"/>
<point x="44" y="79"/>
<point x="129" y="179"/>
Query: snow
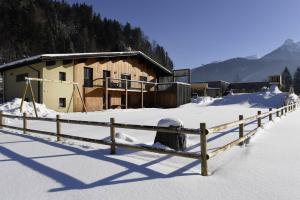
<point x="37" y="167"/>
<point x="167" y="122"/>
<point x="13" y="108"/>
<point x="270" y="97"/>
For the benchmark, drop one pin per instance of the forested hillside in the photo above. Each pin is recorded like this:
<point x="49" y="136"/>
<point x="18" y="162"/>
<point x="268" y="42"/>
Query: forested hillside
<point x="31" y="27"/>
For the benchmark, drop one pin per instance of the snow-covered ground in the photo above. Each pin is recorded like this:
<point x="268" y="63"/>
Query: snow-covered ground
<point x="35" y="167"/>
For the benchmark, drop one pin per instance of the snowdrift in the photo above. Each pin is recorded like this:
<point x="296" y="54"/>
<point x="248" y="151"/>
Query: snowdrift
<point x="12" y="108"/>
<point x="271" y="97"/>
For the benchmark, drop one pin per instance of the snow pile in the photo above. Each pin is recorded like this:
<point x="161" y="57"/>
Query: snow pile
<point x="13" y="108"/>
<point x="122" y="137"/>
<point x="271" y="97"/>
<point x="292" y="98"/>
<point x="274" y="89"/>
<point x="203" y="100"/>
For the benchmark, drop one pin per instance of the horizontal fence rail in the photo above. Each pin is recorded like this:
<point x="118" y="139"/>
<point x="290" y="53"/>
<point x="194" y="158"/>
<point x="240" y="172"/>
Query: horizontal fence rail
<point x="203" y="132"/>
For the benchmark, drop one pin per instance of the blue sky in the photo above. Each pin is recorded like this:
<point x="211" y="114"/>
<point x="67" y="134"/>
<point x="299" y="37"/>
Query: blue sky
<point x="196" y="32"/>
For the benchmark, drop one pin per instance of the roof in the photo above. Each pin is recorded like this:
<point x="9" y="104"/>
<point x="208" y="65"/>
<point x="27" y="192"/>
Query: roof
<point x="47" y="57"/>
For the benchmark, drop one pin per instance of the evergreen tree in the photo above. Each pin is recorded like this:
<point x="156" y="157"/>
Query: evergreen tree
<point x="31" y="27"/>
<point x="287" y="79"/>
<point x="296" y="82"/>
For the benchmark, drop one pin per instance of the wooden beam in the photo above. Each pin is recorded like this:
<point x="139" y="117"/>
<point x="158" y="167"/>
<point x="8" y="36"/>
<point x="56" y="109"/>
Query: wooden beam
<point x="24" y="122"/>
<point x="23" y="98"/>
<point x="241" y="129"/>
<point x="58" y="128"/>
<point x="203" y="145"/>
<point x="106" y="93"/>
<point x="73" y="92"/>
<point x="112" y="137"/>
<point x="81" y="98"/>
<point x="126" y="94"/>
<point x="258" y="118"/>
<point x="33" y="99"/>
<point x="142" y="94"/>
<point x="270" y="114"/>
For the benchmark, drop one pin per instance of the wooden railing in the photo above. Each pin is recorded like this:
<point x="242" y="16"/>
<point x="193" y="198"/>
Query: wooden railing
<point x="203" y="132"/>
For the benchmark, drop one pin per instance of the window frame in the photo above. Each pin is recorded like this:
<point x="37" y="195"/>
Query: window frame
<point x="64" y="74"/>
<point x="21" y="77"/>
<point x="63" y="99"/>
<point x="88" y="82"/>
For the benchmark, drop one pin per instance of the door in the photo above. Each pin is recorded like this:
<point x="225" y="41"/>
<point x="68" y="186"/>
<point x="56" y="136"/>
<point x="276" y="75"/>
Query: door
<point x="127" y="77"/>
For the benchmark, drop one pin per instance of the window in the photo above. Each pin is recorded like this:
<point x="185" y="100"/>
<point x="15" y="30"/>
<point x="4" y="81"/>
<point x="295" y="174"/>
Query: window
<point x="50" y="62"/>
<point x="143" y="78"/>
<point x="88" y="77"/>
<point x="65" y="62"/>
<point x="62" y="76"/>
<point x="21" y="77"/>
<point x="62" y="102"/>
<point x="106" y="74"/>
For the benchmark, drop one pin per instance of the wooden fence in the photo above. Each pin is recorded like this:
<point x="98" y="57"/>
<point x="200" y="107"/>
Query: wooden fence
<point x="203" y="132"/>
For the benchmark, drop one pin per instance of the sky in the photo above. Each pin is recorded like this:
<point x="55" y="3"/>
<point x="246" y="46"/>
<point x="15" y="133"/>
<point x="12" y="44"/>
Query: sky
<point x="197" y="32"/>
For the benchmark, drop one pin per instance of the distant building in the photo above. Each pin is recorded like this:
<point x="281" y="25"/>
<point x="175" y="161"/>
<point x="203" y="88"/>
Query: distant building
<point x="210" y="88"/>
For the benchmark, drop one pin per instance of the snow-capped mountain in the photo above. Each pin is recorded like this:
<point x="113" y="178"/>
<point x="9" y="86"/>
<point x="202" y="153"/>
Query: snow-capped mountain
<point x="251" y="69"/>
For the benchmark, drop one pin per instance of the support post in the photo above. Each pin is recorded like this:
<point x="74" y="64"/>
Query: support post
<point x="112" y="137"/>
<point x="270" y="114"/>
<point x="142" y="94"/>
<point x="81" y="98"/>
<point x="1" y="119"/>
<point x="285" y="109"/>
<point x="241" y="129"/>
<point x="58" y="128"/>
<point x="282" y="111"/>
<point x="23" y="98"/>
<point x="203" y="144"/>
<point x="277" y="112"/>
<point x="126" y="94"/>
<point x="259" y="118"/>
<point x="106" y="93"/>
<point x="33" y="99"/>
<point x="24" y="122"/>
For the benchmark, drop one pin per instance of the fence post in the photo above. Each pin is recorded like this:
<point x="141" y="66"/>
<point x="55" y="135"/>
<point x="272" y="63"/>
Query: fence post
<point x="1" y="119"/>
<point x="112" y="137"/>
<point x="277" y="112"/>
<point x="58" y="128"/>
<point x="203" y="144"/>
<point x="241" y="129"/>
<point x="259" y="118"/>
<point x="282" y="109"/>
<point x="270" y="114"/>
<point x="285" y="109"/>
<point x="24" y="122"/>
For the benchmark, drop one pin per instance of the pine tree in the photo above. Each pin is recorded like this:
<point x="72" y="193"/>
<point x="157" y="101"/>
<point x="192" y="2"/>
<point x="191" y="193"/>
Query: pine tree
<point x="287" y="79"/>
<point x="296" y="82"/>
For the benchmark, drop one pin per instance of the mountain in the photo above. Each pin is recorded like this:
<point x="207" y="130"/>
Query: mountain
<point x="251" y="69"/>
<point x="31" y="27"/>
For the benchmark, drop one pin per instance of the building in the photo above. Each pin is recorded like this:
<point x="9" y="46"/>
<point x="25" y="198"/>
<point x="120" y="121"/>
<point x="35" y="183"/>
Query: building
<point x="209" y="88"/>
<point x="106" y="80"/>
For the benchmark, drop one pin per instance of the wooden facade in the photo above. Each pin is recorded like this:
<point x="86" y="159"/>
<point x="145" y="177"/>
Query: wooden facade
<point x="95" y="95"/>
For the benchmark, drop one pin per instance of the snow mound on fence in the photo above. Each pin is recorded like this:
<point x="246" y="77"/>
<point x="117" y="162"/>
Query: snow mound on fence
<point x="13" y="108"/>
<point x="124" y="137"/>
<point x="167" y="122"/>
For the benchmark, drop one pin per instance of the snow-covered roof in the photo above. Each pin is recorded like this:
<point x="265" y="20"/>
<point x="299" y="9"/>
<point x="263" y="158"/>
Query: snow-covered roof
<point x="45" y="57"/>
